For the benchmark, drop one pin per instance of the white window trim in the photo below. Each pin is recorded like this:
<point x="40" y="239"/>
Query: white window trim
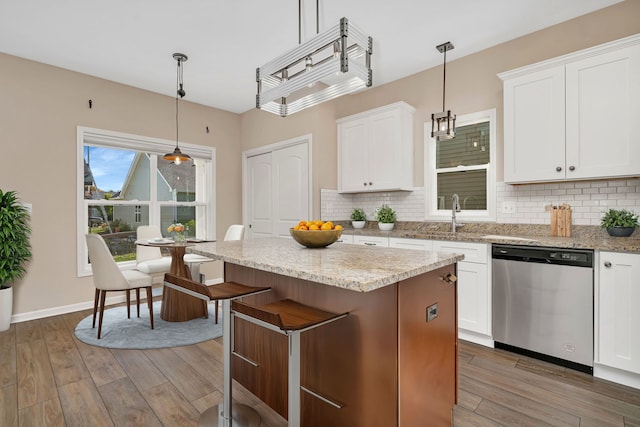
<point x="430" y="177"/>
<point x="87" y="135"/>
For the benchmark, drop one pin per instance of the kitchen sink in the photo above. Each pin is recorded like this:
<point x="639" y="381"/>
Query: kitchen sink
<point x="501" y="237"/>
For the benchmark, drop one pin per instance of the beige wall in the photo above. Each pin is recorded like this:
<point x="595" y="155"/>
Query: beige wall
<point x="41" y="106"/>
<point x="472" y="85"/>
<point x="40" y="109"/>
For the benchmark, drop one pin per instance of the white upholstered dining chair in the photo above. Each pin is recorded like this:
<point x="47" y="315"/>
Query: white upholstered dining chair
<point x="149" y="259"/>
<point x="107" y="277"/>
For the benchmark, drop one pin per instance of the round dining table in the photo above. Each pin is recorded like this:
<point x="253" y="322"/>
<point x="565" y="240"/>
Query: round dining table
<point x="178" y="306"/>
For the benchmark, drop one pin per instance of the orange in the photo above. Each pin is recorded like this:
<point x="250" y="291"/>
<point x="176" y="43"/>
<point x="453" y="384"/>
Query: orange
<point x="337" y="227"/>
<point x="326" y="226"/>
<point x="314" y="227"/>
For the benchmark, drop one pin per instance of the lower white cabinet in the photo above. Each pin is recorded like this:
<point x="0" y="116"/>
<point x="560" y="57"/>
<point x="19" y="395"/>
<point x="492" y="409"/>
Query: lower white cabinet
<point x="474" y="284"/>
<point x="474" y="290"/>
<point x="618" y="318"/>
<point x="371" y="241"/>
<point x="345" y="238"/>
<point x="421" y="244"/>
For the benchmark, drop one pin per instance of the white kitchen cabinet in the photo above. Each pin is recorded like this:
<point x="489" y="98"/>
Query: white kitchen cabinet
<point x="618" y="318"/>
<point x="371" y="241"/>
<point x="474" y="290"/>
<point x="574" y="117"/>
<point x="345" y="238"/>
<point x="375" y="150"/>
<point x="403" y="243"/>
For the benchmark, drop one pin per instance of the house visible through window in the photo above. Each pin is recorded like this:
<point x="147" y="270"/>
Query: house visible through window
<point x="463" y="166"/>
<point x="125" y="184"/>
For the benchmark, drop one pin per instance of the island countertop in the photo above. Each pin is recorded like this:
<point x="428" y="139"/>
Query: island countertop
<point x="357" y="268"/>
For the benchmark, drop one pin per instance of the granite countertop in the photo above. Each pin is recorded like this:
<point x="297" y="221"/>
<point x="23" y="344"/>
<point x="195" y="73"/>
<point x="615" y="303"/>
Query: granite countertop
<point x="583" y="237"/>
<point x="357" y="268"/>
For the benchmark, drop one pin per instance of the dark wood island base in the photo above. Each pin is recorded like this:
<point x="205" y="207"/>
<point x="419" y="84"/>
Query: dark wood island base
<point x="384" y="365"/>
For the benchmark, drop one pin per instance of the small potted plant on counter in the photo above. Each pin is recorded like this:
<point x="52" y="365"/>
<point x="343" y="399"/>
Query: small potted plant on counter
<point x="358" y="218"/>
<point x="386" y="217"/>
<point x="619" y="222"/>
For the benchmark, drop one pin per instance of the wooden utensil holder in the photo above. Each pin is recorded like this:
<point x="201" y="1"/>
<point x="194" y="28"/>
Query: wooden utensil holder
<point x="561" y="222"/>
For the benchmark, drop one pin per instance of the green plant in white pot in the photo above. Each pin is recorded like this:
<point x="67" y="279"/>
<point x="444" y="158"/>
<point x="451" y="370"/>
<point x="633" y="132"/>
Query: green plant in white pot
<point x="619" y="222"/>
<point x="386" y="217"/>
<point x="15" y="250"/>
<point x="358" y="218"/>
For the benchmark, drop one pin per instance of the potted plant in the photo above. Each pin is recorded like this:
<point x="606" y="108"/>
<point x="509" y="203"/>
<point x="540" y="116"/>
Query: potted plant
<point x="386" y="217"/>
<point x="15" y="250"/>
<point x="358" y="218"/>
<point x="619" y="222"/>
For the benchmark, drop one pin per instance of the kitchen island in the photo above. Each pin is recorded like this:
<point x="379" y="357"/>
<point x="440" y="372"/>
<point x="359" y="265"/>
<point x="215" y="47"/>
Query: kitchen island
<point x="391" y="362"/>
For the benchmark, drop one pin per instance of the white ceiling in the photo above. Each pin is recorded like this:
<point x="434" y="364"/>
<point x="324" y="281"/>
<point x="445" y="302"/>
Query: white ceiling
<point x="132" y="41"/>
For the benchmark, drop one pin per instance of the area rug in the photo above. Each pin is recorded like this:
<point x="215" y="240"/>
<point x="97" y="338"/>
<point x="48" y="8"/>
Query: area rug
<point x="135" y="333"/>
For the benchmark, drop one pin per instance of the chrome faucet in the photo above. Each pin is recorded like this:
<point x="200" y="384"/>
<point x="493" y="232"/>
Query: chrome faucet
<point x="455" y="207"/>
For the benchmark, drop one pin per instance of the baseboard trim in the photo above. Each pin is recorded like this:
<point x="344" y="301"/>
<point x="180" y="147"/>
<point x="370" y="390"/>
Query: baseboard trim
<point x="475" y="338"/>
<point x="615" y="375"/>
<point x="64" y="309"/>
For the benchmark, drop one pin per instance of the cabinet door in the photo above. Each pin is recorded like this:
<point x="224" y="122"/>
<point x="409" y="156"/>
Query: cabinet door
<point x="534" y="127"/>
<point x="603" y="107"/>
<point x="384" y="150"/>
<point x="473" y="297"/>
<point x="619" y="317"/>
<point x="418" y="244"/>
<point x="371" y="241"/>
<point x="353" y="156"/>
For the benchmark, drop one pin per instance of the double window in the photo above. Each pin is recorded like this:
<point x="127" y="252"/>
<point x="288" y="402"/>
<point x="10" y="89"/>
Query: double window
<point x="464" y="165"/>
<point x="124" y="183"/>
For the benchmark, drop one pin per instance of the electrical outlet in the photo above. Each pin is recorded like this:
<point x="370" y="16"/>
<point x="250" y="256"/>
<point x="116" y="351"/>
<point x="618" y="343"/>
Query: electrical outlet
<point x="508" y="207"/>
<point x="432" y="312"/>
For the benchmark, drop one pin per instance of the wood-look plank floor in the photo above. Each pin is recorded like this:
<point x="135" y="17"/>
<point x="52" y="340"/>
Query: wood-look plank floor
<point x="49" y="378"/>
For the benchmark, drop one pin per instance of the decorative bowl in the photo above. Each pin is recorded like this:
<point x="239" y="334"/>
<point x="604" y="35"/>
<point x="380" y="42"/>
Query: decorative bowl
<point x="315" y="238"/>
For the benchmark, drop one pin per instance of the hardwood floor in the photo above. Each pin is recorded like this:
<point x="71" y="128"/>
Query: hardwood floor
<point x="49" y="378"/>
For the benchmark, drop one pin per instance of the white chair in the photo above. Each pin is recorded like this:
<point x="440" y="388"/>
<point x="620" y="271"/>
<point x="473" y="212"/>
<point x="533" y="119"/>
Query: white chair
<point x="107" y="276"/>
<point x="193" y="261"/>
<point x="149" y="259"/>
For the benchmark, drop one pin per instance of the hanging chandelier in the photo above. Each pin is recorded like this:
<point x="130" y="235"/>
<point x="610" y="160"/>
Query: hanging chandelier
<point x="178" y="156"/>
<point x="333" y="63"/>
<point x="443" y="124"/>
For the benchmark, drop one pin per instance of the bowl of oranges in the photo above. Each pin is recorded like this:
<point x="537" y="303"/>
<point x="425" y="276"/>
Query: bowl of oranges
<point x="316" y="234"/>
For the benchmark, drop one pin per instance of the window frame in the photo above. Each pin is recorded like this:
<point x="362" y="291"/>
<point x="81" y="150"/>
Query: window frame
<point x="145" y="144"/>
<point x="431" y="172"/>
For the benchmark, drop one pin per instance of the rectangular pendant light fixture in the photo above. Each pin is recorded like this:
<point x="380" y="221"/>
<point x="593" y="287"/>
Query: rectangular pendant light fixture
<point x="333" y="63"/>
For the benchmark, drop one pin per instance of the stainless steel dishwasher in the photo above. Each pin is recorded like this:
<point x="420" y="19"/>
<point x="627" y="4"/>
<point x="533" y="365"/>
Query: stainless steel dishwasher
<point x="543" y="303"/>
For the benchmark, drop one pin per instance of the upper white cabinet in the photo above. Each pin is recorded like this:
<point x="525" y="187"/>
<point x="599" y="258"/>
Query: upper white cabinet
<point x="618" y="327"/>
<point x="574" y="117"/>
<point x="375" y="150"/>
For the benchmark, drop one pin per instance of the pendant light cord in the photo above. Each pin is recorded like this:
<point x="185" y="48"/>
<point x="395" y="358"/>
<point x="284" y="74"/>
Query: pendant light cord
<point x="179" y="92"/>
<point x="300" y="19"/>
<point x="444" y="77"/>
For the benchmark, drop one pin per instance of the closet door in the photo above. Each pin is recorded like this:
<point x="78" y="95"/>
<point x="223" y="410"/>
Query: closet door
<point x="278" y="190"/>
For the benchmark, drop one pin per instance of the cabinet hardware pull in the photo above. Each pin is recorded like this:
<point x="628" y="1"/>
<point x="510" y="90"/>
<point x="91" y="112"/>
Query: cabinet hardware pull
<point x="364" y="183"/>
<point x="324" y="399"/>
<point x="450" y="278"/>
<point x="246" y="359"/>
<point x="572" y="168"/>
<point x="369" y="243"/>
<point x="558" y="169"/>
<point x="607" y="264"/>
<point x="370" y="183"/>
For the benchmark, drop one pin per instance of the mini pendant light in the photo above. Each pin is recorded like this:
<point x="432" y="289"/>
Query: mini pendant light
<point x="443" y="124"/>
<point x="177" y="156"/>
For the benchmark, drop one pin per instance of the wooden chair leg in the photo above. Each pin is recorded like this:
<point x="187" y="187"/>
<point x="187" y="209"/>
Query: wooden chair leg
<point x="138" y="301"/>
<point x="103" y="296"/>
<point x="95" y="307"/>
<point x="216" y="303"/>
<point x="206" y="309"/>
<point x="128" y="292"/>
<point x="150" y="304"/>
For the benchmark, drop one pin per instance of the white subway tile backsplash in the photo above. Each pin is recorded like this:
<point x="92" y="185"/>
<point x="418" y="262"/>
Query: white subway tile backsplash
<point x="589" y="200"/>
